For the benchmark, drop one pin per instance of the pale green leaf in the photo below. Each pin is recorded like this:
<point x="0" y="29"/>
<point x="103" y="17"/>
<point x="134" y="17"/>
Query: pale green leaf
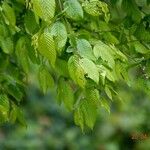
<point x="45" y="9"/>
<point x="105" y="52"/>
<point x="46" y="46"/>
<point x="59" y="33"/>
<point x="108" y="92"/>
<point x="76" y="71"/>
<point x="73" y="9"/>
<point x="85" y="49"/>
<point x="90" y="69"/>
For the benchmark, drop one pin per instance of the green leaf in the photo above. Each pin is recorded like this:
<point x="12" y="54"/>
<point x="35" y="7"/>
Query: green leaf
<point x="93" y="95"/>
<point x="45" y="79"/>
<point x="105" y="52"/>
<point x="22" y="54"/>
<point x="13" y="114"/>
<point x="4" y="108"/>
<point x="79" y="118"/>
<point x="4" y="31"/>
<point x="73" y="9"/>
<point x="110" y="74"/>
<point x="140" y="48"/>
<point x="76" y="71"/>
<point x="61" y="67"/>
<point x="90" y="112"/>
<point x="65" y="93"/>
<point x="30" y="23"/>
<point x="97" y="8"/>
<point x="14" y="91"/>
<point x="32" y="53"/>
<point x="20" y="117"/>
<point x="122" y="71"/>
<point x="85" y="49"/>
<point x="90" y="69"/>
<point x="7" y="45"/>
<point x="131" y="8"/>
<point x="59" y="33"/>
<point x="105" y="105"/>
<point x="110" y="38"/>
<point x="46" y="46"/>
<point x="44" y="9"/>
<point x="9" y="14"/>
<point x="108" y="92"/>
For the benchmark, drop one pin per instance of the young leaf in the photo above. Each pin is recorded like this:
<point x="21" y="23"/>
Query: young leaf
<point x="108" y="92"/>
<point x="90" y="69"/>
<point x="59" y="33"/>
<point x="140" y="48"/>
<point x="89" y="112"/>
<point x="76" y="71"/>
<point x="94" y="96"/>
<point x="22" y="54"/>
<point x="45" y="9"/>
<point x="105" y="105"/>
<point x="4" y="108"/>
<point x="79" y="118"/>
<point x="65" y="93"/>
<point x="9" y="13"/>
<point x="46" y="46"/>
<point x="85" y="49"/>
<point x="73" y="9"/>
<point x="7" y="45"/>
<point x="105" y="52"/>
<point x="45" y="79"/>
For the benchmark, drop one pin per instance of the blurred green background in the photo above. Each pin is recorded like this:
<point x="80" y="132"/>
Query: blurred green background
<point x="51" y="127"/>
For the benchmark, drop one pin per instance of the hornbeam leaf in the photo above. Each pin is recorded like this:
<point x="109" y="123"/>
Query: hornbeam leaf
<point x="85" y="49"/>
<point x="9" y="13"/>
<point x="7" y="45"/>
<point x="45" y="79"/>
<point x="59" y="33"/>
<point x="140" y="48"/>
<point x="93" y="95"/>
<point x="90" y="69"/>
<point x="108" y="92"/>
<point x="22" y="54"/>
<point x="4" y="108"/>
<point x="89" y="112"/>
<point x="79" y="118"/>
<point x="65" y="93"/>
<point x="46" y="46"/>
<point x="14" y="91"/>
<point x="105" y="105"/>
<point x="45" y="9"/>
<point x="105" y="52"/>
<point x="73" y="9"/>
<point x="97" y="8"/>
<point x="30" y="23"/>
<point x="61" y="67"/>
<point x="76" y="71"/>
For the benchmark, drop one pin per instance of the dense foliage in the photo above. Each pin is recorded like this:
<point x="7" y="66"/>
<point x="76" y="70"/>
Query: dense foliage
<point x="84" y="48"/>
